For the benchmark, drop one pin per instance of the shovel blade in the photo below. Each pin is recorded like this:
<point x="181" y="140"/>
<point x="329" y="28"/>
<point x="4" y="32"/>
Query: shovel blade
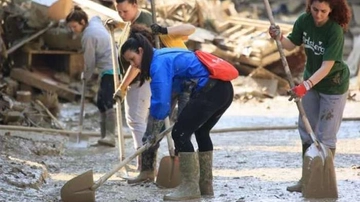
<point x="78" y="189"/>
<point x="168" y="175"/>
<point x="319" y="180"/>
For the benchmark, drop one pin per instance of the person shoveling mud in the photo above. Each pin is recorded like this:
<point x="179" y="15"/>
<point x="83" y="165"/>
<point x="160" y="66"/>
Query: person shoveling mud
<point x="323" y="91"/>
<point x="97" y="53"/>
<point x="209" y="100"/>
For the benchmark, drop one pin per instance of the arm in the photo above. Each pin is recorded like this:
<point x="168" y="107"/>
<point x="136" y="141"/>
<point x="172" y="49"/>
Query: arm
<point x="322" y="72"/>
<point x="130" y="75"/>
<point x="177" y="30"/>
<point x="88" y="45"/>
<point x="181" y="30"/>
<point x="287" y="44"/>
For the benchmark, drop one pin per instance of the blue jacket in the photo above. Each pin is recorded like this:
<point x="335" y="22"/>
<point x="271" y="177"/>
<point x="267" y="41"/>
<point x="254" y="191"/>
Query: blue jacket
<point x="169" y="69"/>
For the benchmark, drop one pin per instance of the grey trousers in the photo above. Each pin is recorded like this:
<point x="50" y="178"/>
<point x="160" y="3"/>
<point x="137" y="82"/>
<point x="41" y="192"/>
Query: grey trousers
<point x="325" y="114"/>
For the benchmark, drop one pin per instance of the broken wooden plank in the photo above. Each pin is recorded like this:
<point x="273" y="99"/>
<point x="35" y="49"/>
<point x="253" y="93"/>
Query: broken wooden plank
<point x="42" y="81"/>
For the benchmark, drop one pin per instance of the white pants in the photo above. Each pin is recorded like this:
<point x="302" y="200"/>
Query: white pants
<point x="137" y="104"/>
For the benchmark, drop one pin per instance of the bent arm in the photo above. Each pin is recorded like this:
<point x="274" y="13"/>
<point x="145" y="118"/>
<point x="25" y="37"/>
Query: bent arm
<point x="287" y="44"/>
<point x="181" y="30"/>
<point x="322" y="72"/>
<point x="130" y="75"/>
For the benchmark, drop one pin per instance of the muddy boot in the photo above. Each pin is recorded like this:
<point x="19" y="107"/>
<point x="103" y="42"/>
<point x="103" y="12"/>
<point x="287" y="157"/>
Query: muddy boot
<point x="109" y="139"/>
<point x="138" y="162"/>
<point x="189" y="186"/>
<point x="298" y="186"/>
<point x="206" y="176"/>
<point x="147" y="170"/>
<point x="103" y="125"/>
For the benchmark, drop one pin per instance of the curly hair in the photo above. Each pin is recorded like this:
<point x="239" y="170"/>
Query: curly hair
<point x="340" y="11"/>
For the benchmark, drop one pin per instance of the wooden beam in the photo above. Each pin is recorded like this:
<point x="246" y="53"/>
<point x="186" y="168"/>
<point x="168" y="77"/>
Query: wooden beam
<point x="44" y="82"/>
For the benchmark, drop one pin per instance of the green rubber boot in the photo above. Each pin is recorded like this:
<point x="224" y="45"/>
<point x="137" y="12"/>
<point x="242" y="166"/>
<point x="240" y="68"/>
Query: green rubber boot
<point x="189" y="186"/>
<point x="206" y="176"/>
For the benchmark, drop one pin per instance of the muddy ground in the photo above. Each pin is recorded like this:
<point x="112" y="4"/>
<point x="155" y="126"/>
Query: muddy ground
<point x="248" y="166"/>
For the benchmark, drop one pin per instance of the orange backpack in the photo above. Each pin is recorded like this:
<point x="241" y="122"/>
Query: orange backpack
<point x="217" y="67"/>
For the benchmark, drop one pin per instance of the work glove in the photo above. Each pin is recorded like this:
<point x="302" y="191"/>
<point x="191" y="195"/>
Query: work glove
<point x="120" y="94"/>
<point x="275" y="32"/>
<point x="300" y="90"/>
<point x="153" y="128"/>
<point x="157" y="29"/>
<point x="86" y="75"/>
<point x="112" y="24"/>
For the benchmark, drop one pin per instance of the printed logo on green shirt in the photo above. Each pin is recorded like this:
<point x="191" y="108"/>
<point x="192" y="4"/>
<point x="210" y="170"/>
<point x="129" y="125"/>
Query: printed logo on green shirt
<point x="318" y="49"/>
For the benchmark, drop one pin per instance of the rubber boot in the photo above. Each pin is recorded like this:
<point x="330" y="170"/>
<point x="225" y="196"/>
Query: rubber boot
<point x="103" y="125"/>
<point x="298" y="186"/>
<point x="206" y="176"/>
<point x="147" y="170"/>
<point x="190" y="176"/>
<point x="109" y="139"/>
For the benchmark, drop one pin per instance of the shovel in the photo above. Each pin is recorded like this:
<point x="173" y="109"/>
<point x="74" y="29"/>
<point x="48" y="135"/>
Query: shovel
<point x="319" y="180"/>
<point x="168" y="175"/>
<point x="82" y="187"/>
<point x="81" y="139"/>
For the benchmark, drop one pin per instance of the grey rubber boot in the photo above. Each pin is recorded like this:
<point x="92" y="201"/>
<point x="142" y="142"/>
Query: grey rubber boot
<point x="103" y="125"/>
<point x="298" y="186"/>
<point x="189" y="186"/>
<point x="206" y="176"/>
<point x="147" y="170"/>
<point x="110" y="123"/>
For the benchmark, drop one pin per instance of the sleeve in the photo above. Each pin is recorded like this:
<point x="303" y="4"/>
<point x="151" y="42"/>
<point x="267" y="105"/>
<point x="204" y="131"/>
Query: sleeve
<point x="296" y="35"/>
<point x="334" y="48"/>
<point x="89" y="47"/>
<point x="161" y="87"/>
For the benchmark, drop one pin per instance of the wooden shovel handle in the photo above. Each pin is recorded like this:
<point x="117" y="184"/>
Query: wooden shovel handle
<point x="169" y="139"/>
<point x="103" y="179"/>
<point x="290" y="79"/>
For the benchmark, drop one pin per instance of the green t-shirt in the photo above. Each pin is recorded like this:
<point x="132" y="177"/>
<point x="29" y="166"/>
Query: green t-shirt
<point x="144" y="18"/>
<point x="323" y="43"/>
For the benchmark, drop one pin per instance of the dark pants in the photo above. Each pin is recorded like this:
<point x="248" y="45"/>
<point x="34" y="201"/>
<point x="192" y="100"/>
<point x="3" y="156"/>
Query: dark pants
<point x="200" y="115"/>
<point x="106" y="91"/>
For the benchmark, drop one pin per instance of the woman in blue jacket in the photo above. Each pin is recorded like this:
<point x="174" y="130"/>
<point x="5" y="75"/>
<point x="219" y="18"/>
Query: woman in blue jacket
<point x="209" y="100"/>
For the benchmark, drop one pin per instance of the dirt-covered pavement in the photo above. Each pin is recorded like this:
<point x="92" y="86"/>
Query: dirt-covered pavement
<point x="248" y="166"/>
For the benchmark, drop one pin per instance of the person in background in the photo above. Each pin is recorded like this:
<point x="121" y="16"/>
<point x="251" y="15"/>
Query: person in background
<point x="96" y="45"/>
<point x="137" y="99"/>
<point x="326" y="76"/>
<point x="209" y="100"/>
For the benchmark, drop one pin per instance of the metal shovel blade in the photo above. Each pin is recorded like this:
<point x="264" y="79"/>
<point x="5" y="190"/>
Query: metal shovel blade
<point x="319" y="180"/>
<point x="168" y="175"/>
<point x="78" y="189"/>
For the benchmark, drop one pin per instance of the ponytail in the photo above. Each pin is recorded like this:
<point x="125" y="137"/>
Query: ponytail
<point x="77" y="15"/>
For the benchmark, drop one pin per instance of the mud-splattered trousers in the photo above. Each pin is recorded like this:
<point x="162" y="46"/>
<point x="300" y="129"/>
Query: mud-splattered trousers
<point x="106" y="91"/>
<point x="200" y="114"/>
<point x="137" y="104"/>
<point x="325" y="113"/>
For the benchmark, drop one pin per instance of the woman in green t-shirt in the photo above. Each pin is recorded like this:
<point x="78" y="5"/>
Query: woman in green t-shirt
<point x="326" y="77"/>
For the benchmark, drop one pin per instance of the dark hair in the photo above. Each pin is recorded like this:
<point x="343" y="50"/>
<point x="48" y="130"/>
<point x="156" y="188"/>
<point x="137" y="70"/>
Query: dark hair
<point x="145" y="31"/>
<point x="340" y="11"/>
<point x="77" y="15"/>
<point x="130" y="1"/>
<point x="133" y="43"/>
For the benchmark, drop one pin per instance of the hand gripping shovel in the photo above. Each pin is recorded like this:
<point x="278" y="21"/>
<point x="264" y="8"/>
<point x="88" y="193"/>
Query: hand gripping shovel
<point x="319" y="180"/>
<point x="168" y="175"/>
<point x="82" y="188"/>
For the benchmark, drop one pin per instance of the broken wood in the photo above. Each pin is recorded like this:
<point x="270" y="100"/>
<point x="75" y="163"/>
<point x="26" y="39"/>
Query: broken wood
<point x="42" y="81"/>
<point x="56" y="121"/>
<point x="49" y="130"/>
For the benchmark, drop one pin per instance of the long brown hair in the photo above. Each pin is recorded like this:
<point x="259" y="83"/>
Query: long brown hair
<point x="77" y="15"/>
<point x="340" y="11"/>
